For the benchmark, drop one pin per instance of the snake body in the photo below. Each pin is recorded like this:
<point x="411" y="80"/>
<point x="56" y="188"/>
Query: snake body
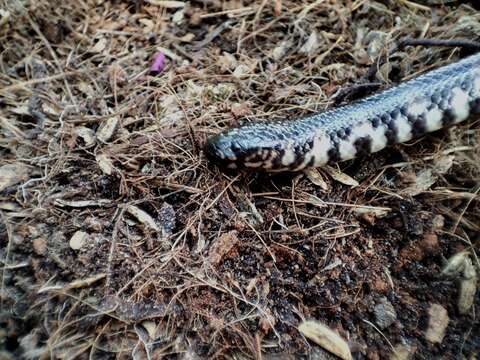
<point x="443" y="97"/>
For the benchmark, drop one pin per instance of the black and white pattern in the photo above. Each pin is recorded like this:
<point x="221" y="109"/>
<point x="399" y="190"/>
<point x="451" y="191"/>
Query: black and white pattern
<point x="440" y="98"/>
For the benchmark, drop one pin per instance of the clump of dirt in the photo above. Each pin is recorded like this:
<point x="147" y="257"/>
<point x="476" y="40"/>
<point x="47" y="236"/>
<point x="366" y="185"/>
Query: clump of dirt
<point x="119" y="239"/>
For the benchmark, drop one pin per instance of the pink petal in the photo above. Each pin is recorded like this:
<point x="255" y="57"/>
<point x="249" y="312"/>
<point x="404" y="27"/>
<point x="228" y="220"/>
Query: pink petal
<point x="158" y="63"/>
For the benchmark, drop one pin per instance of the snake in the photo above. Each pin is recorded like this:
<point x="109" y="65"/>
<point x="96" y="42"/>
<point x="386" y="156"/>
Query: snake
<point x="431" y="101"/>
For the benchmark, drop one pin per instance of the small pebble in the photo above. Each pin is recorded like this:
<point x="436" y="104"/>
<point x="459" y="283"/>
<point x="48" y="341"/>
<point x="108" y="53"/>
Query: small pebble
<point x="39" y="246"/>
<point x="438" y="222"/>
<point x="437" y="323"/>
<point x="78" y="240"/>
<point x="385" y="314"/>
<point x="430" y="244"/>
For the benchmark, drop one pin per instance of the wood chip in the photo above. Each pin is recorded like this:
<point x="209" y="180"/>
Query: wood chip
<point x="143" y="217"/>
<point x="12" y="174"/>
<point x="326" y="338"/>
<point x="78" y="240"/>
<point x="222" y="246"/>
<point x="437" y="323"/>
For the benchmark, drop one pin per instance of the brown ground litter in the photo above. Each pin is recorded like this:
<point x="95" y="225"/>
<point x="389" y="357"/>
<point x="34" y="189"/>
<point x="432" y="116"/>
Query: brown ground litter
<point x="119" y="240"/>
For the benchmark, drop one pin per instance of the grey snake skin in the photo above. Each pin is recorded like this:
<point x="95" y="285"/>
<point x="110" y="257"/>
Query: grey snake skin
<point x="437" y="99"/>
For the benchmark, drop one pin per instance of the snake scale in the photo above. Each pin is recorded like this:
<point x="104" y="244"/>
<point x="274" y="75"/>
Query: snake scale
<point x="442" y="97"/>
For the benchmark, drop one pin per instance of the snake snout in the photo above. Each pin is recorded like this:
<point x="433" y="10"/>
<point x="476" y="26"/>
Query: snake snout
<point x="219" y="151"/>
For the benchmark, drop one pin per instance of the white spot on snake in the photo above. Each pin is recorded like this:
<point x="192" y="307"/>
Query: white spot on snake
<point x="459" y="104"/>
<point x="288" y="157"/>
<point x="379" y="140"/>
<point x="433" y="119"/>
<point x="347" y="149"/>
<point x="364" y="130"/>
<point x="404" y="129"/>
<point x="377" y="135"/>
<point x="321" y="145"/>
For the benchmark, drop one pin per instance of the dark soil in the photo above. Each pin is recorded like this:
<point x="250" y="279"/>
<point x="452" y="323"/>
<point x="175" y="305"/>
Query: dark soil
<point x="129" y="244"/>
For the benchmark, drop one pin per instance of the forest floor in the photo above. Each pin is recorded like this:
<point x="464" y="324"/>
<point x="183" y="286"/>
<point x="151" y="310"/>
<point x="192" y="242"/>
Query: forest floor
<point x="118" y="239"/>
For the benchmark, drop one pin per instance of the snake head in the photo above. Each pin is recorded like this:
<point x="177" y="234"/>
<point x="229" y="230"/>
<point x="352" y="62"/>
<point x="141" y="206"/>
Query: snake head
<point x="219" y="151"/>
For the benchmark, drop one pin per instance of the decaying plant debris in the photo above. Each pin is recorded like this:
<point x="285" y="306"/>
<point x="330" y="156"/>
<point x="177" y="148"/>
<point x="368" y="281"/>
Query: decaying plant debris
<point x="119" y="240"/>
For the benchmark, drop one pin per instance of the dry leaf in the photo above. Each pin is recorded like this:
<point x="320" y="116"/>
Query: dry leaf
<point x="167" y="3"/>
<point x="178" y="17"/>
<point x="426" y="178"/>
<point x="455" y="264"/>
<point x="151" y="328"/>
<point x="316" y="178"/>
<point x="148" y="24"/>
<point x="143" y="217"/>
<point x="402" y="352"/>
<point x="9" y="206"/>
<point x="12" y="174"/>
<point x="241" y="70"/>
<point x="169" y="53"/>
<point x="87" y="134"/>
<point x="281" y="50"/>
<point x="4" y="16"/>
<point x="107" y="129"/>
<point x="341" y="177"/>
<point x="227" y="61"/>
<point x="76" y="284"/>
<point x="104" y="163"/>
<point x="423" y="180"/>
<point x="311" y="45"/>
<point x="437" y="323"/>
<point x="443" y="164"/>
<point x="86" y="88"/>
<point x="468" y="288"/>
<point x="326" y="338"/>
<point x="82" y="203"/>
<point x="99" y="46"/>
<point x="370" y="213"/>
